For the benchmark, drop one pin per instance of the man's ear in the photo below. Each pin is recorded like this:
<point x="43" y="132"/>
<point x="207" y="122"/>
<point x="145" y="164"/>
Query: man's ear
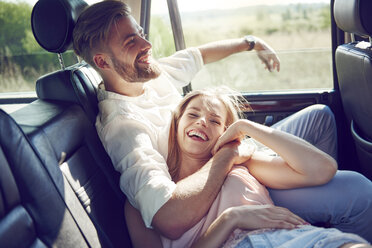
<point x="101" y="61"/>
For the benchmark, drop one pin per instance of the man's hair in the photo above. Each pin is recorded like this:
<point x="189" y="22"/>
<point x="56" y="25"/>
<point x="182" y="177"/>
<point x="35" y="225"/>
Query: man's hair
<point x="232" y="100"/>
<point x="93" y="26"/>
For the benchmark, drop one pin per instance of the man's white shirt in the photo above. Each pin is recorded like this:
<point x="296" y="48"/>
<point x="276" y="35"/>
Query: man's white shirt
<point x="135" y="130"/>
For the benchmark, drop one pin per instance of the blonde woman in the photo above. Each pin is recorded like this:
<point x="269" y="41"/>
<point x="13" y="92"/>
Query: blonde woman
<point x="243" y="214"/>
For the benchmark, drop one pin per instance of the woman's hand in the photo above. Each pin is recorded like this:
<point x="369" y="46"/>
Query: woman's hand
<point x="232" y="137"/>
<point x="264" y="216"/>
<point x="232" y="133"/>
<point x="247" y="217"/>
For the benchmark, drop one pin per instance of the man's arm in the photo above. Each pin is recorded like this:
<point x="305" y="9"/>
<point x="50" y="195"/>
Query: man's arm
<point x="171" y="210"/>
<point x="195" y="194"/>
<point x="214" y="51"/>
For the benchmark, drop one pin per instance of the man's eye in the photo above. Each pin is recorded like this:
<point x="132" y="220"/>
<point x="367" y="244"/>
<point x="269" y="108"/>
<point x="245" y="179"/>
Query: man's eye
<point x="129" y="42"/>
<point x="144" y="36"/>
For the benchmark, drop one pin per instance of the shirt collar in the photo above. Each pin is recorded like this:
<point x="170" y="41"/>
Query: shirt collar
<point x="103" y="94"/>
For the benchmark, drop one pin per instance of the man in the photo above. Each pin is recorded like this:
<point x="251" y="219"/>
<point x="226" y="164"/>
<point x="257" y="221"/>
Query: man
<point x="135" y="106"/>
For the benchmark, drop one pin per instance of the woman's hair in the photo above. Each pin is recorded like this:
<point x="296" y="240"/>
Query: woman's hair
<point x="233" y="102"/>
<point x="93" y="26"/>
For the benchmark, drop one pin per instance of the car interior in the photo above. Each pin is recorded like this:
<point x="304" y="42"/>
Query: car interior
<point x="58" y="185"/>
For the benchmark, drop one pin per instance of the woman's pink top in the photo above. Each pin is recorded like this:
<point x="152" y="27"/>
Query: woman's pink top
<point x="239" y="188"/>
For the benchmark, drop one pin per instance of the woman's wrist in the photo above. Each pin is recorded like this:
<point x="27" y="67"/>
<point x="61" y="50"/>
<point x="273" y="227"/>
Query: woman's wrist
<point x="230" y="218"/>
<point x="244" y="127"/>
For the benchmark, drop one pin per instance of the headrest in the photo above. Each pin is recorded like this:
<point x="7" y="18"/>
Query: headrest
<point x="354" y="16"/>
<point x="56" y="86"/>
<point x="53" y="21"/>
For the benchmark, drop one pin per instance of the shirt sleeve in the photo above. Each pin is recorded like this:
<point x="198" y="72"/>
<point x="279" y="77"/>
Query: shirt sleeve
<point x="144" y="179"/>
<point x="182" y="66"/>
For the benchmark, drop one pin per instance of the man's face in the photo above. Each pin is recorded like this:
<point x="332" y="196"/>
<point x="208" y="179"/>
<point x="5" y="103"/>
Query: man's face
<point x="130" y="52"/>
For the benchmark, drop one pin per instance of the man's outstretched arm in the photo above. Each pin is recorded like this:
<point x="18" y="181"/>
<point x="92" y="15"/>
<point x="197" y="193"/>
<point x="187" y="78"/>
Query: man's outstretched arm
<point x="214" y="51"/>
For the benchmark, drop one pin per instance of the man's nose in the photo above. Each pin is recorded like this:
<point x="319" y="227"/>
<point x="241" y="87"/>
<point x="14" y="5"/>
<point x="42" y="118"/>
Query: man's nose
<point x="145" y="44"/>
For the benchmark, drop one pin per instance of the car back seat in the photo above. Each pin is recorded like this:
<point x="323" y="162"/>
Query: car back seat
<point x="37" y="209"/>
<point x="52" y="24"/>
<point x="59" y="127"/>
<point x="77" y="84"/>
<point x="354" y="72"/>
<point x="69" y="148"/>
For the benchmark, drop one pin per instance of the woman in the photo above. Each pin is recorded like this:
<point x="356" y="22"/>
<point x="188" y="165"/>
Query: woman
<point x="206" y="121"/>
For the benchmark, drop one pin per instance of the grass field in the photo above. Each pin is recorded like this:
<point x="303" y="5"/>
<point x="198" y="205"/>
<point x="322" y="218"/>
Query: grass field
<point x="300" y="35"/>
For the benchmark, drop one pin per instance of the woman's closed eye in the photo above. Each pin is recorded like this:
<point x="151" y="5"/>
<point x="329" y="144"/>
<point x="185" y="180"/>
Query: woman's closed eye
<point x="192" y="115"/>
<point x="215" y="122"/>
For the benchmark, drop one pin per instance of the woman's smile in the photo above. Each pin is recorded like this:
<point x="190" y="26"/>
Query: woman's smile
<point x="197" y="135"/>
<point x="201" y="125"/>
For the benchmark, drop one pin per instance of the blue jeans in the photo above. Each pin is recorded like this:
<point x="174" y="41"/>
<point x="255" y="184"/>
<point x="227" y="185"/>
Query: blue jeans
<point x="346" y="201"/>
<point x="305" y="237"/>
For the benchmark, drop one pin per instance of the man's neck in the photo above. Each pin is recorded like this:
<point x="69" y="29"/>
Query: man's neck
<point x="124" y="88"/>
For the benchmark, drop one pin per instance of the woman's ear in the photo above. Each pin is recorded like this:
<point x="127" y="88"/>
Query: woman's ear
<point x="101" y="61"/>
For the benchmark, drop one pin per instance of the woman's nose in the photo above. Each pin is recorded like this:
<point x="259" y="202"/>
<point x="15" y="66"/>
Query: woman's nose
<point x="202" y="121"/>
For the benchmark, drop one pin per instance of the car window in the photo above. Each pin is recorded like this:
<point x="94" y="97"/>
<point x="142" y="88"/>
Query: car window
<point x="22" y="60"/>
<point x="299" y="31"/>
<point x="160" y="32"/>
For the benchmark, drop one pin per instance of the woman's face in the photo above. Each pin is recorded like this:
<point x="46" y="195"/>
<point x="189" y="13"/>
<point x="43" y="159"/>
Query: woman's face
<point x="200" y="126"/>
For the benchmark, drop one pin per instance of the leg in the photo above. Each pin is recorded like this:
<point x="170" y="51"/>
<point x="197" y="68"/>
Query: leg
<point x="345" y="203"/>
<point x="316" y="117"/>
<point x="305" y="236"/>
<point x="350" y="245"/>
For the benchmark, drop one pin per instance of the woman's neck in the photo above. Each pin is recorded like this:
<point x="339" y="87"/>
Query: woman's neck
<point x="190" y="165"/>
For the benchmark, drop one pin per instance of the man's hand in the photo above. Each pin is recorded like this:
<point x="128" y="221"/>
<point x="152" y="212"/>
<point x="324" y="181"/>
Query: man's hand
<point x="267" y="55"/>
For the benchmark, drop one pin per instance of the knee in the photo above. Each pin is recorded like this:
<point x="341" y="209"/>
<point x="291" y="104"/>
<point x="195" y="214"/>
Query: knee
<point x="356" y="179"/>
<point x="323" y="114"/>
<point x="356" y="183"/>
<point x="321" y="110"/>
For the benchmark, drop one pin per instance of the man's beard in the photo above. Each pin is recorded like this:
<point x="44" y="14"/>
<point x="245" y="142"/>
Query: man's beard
<point x="134" y="73"/>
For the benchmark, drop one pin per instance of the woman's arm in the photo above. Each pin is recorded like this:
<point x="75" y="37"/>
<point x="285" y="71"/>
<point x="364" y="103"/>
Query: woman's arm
<point x="140" y="235"/>
<point x="299" y="163"/>
<point x="247" y="218"/>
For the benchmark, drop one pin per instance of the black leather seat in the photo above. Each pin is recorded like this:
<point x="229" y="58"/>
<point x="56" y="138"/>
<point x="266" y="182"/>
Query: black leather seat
<point x="354" y="72"/>
<point x="58" y="185"/>
<point x="33" y="208"/>
<point x="69" y="148"/>
<point x="52" y="24"/>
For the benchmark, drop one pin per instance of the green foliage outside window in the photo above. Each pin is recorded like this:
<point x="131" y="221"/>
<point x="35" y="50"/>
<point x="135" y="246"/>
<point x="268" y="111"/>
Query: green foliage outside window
<point x="22" y="60"/>
<point x="291" y="30"/>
